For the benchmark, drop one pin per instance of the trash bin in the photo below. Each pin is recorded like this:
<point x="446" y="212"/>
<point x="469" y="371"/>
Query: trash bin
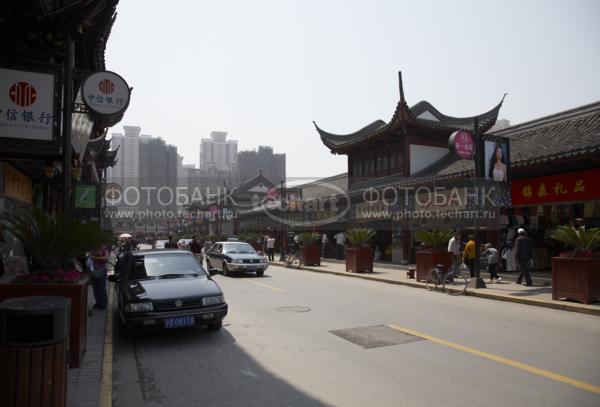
<point x="33" y="351"/>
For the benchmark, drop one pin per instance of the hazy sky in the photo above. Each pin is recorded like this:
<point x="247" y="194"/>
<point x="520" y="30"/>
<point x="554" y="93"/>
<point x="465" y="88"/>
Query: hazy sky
<point x="264" y="70"/>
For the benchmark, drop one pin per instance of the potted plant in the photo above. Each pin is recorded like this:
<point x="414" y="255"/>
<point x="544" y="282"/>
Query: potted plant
<point x="310" y="251"/>
<point x="359" y="255"/>
<point x="51" y="244"/>
<point x="433" y="251"/>
<point x="576" y="274"/>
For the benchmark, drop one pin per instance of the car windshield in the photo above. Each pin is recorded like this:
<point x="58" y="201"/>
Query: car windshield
<point x="167" y="265"/>
<point x="238" y="248"/>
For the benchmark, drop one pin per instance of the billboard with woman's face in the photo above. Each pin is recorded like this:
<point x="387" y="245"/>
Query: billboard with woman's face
<point x="496" y="159"/>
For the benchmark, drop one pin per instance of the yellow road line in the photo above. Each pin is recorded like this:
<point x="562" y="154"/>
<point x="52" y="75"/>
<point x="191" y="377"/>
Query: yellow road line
<point x="265" y="285"/>
<point x="107" y="359"/>
<point x="506" y="361"/>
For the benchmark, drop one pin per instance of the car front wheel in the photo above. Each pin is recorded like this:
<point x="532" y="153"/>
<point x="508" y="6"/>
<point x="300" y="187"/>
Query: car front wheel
<point x="226" y="270"/>
<point x="260" y="273"/>
<point x="216" y="326"/>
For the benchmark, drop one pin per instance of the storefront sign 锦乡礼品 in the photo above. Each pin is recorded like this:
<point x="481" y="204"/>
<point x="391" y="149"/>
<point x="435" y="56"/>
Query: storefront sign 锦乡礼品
<point x="567" y="187"/>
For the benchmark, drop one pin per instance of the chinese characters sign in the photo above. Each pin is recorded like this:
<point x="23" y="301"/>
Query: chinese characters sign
<point x="26" y="104"/>
<point x="573" y="186"/>
<point x="461" y="142"/>
<point x="106" y="93"/>
<point x="17" y="185"/>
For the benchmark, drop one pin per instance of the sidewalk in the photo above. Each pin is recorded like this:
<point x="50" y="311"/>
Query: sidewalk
<point x="85" y="383"/>
<point x="539" y="295"/>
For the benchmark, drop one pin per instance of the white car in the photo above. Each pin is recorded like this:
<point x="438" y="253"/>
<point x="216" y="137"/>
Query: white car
<point x="160" y="244"/>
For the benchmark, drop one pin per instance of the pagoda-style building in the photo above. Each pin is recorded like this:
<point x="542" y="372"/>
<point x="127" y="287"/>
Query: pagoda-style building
<point x="409" y="150"/>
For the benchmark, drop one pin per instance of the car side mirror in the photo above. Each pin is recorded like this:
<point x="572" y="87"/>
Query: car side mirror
<point x="113" y="278"/>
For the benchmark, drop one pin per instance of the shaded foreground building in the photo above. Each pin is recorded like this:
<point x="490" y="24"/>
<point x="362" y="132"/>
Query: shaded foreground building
<point x="35" y="39"/>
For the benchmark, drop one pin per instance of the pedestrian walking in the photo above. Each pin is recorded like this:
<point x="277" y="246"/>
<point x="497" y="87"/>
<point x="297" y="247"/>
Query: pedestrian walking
<point x="340" y="241"/>
<point x="454" y="248"/>
<point x="469" y="255"/>
<point x="297" y="240"/>
<point x="99" y="260"/>
<point x="271" y="248"/>
<point x="524" y="256"/>
<point x="492" y="261"/>
<point x="171" y="244"/>
<point x="324" y="244"/>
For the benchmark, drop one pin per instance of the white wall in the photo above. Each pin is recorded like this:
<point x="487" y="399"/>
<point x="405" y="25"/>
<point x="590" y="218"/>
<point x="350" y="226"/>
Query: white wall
<point x="423" y="156"/>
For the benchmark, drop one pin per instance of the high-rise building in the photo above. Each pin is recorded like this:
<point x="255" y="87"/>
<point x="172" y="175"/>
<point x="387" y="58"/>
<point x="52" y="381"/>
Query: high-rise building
<point x="218" y="153"/>
<point x="157" y="174"/>
<point x="272" y="166"/>
<point x="126" y="170"/>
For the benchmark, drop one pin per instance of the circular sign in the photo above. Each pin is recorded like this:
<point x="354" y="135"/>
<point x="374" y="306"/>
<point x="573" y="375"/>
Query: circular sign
<point x="22" y="94"/>
<point x="105" y="93"/>
<point x="461" y="142"/>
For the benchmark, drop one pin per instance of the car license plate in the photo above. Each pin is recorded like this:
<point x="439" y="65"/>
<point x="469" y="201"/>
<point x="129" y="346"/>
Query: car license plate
<point x="251" y="268"/>
<point x="177" y="322"/>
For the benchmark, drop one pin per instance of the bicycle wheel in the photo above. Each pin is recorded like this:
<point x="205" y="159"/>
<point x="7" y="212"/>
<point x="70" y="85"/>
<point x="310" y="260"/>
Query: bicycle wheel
<point x="454" y="284"/>
<point x="296" y="263"/>
<point x="432" y="280"/>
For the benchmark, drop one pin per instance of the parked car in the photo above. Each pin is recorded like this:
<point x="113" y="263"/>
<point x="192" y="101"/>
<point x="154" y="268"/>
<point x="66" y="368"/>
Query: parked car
<point x="167" y="289"/>
<point x="231" y="256"/>
<point x="184" y="244"/>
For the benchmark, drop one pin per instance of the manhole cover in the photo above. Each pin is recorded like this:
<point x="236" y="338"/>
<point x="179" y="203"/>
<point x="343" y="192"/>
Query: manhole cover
<point x="295" y="308"/>
<point x="375" y="336"/>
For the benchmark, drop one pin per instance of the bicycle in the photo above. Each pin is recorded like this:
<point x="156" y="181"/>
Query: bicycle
<point x="453" y="282"/>
<point x="292" y="261"/>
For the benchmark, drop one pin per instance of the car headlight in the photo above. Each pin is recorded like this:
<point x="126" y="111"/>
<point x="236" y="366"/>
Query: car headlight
<point x="139" y="307"/>
<point x="237" y="261"/>
<point x="214" y="300"/>
<point x="264" y="259"/>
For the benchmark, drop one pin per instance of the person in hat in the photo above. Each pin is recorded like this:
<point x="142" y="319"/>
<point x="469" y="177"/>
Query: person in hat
<point x="524" y="256"/>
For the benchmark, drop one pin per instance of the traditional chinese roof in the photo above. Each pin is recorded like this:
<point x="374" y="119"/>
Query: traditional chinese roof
<point x="420" y="116"/>
<point x="571" y="136"/>
<point x="38" y="30"/>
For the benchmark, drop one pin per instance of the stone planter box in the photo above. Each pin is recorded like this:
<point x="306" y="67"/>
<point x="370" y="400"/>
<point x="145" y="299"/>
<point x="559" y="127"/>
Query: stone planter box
<point x="77" y="292"/>
<point x="359" y="259"/>
<point x="576" y="279"/>
<point x="310" y="255"/>
<point x="428" y="260"/>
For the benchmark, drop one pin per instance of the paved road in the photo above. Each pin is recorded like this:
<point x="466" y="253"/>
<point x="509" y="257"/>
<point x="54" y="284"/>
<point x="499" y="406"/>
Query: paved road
<point x="467" y="351"/>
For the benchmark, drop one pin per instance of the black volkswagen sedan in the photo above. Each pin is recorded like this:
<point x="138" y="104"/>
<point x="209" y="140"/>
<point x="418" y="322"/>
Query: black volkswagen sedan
<point x="167" y="289"/>
<point x="235" y="256"/>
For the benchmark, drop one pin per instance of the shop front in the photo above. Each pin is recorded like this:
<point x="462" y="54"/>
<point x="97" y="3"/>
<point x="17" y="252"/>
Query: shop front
<point x="540" y="204"/>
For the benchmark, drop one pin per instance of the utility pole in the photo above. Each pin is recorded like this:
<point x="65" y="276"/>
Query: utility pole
<point x="69" y="66"/>
<point x="477" y="281"/>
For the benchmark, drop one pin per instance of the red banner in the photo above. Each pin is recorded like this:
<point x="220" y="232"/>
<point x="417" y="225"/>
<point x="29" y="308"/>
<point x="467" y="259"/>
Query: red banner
<point x="572" y="186"/>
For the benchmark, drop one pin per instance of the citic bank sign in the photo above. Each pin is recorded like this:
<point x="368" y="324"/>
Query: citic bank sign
<point x="27" y="104"/>
<point x="106" y="93"/>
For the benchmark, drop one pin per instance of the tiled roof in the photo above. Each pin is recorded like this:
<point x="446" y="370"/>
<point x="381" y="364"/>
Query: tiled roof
<point x="566" y="134"/>
<point x="422" y="115"/>
<point x="571" y="133"/>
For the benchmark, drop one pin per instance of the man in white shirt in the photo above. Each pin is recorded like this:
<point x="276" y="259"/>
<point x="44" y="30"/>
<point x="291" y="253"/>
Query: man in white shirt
<point x="454" y="248"/>
<point x="271" y="248"/>
<point x="340" y="241"/>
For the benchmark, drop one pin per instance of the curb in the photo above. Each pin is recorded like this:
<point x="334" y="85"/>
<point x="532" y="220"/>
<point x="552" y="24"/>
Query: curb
<point x="544" y="304"/>
<point x="107" y="358"/>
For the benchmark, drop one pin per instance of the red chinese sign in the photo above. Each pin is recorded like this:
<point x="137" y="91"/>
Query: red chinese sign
<point x="572" y="186"/>
<point x="462" y="143"/>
